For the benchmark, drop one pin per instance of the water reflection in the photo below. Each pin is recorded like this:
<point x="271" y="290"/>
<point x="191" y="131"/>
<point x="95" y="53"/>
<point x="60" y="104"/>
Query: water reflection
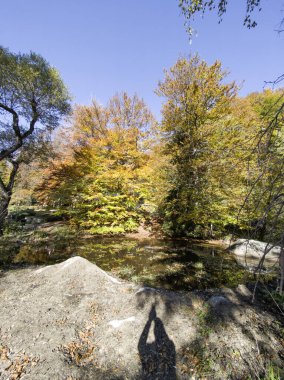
<point x="177" y="265"/>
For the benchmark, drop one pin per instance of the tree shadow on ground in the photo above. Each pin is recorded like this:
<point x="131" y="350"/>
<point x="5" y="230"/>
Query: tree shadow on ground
<point x="233" y="337"/>
<point x="158" y="358"/>
<point x="186" y="270"/>
<point x="233" y="340"/>
<point x="168" y="300"/>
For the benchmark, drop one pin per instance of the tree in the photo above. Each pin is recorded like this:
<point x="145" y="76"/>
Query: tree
<point x="104" y="183"/>
<point x="267" y="137"/>
<point x="33" y="99"/>
<point x="265" y="160"/>
<point x="265" y="195"/>
<point x="197" y="104"/>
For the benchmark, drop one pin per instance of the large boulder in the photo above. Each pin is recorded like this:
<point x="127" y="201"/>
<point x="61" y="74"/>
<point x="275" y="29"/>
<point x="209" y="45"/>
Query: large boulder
<point x="249" y="252"/>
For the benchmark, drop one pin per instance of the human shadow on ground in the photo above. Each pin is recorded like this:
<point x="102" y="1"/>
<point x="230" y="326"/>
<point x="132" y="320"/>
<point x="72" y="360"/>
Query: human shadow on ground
<point x="232" y="338"/>
<point x="158" y="358"/>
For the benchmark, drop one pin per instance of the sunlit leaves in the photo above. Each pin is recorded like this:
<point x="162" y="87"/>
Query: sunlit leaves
<point x="104" y="183"/>
<point x="198" y="105"/>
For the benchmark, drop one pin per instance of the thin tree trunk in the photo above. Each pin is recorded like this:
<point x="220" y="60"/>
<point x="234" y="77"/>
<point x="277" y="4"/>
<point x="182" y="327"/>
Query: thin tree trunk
<point x="211" y="230"/>
<point x="4" y="203"/>
<point x="6" y="194"/>
<point x="262" y="232"/>
<point x="281" y="259"/>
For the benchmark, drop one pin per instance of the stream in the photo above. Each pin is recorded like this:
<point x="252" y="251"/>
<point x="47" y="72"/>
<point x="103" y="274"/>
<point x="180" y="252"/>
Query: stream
<point x="171" y="264"/>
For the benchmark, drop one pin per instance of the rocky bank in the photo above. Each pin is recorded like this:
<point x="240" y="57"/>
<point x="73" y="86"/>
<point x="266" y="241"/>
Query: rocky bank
<point x="74" y="321"/>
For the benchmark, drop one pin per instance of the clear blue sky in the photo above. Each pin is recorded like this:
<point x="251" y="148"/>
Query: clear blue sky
<point x="104" y="46"/>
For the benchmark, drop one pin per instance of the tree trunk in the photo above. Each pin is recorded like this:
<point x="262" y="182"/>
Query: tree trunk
<point x="262" y="232"/>
<point x="281" y="260"/>
<point x="211" y="230"/>
<point x="6" y="193"/>
<point x="4" y="203"/>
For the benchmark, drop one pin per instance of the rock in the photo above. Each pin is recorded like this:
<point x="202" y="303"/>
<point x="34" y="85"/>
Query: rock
<point x="249" y="252"/>
<point x="145" y="289"/>
<point x="119" y="322"/>
<point x="28" y="219"/>
<point x="223" y="307"/>
<point x="33" y="220"/>
<point x="218" y="301"/>
<point x="243" y="291"/>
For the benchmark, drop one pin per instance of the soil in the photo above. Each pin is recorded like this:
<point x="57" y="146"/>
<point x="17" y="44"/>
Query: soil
<point x="141" y="233"/>
<point x="74" y="321"/>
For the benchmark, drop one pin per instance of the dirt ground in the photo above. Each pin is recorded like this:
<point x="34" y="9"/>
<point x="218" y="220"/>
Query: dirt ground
<point x="74" y="321"/>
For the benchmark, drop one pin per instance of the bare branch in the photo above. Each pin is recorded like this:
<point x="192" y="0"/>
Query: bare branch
<point x="15" y="119"/>
<point x="20" y="137"/>
<point x="277" y="80"/>
<point x="33" y="121"/>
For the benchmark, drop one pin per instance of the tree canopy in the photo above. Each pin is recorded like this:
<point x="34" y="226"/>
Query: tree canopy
<point x="33" y="99"/>
<point x="102" y="181"/>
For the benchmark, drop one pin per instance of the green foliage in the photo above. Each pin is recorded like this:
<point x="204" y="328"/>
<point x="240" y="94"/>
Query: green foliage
<point x="33" y="99"/>
<point x="192" y="7"/>
<point x="265" y="178"/>
<point x="206" y="321"/>
<point x="28" y="83"/>
<point x="272" y="373"/>
<point x="109" y="210"/>
<point x="113" y="168"/>
<point x="195" y="115"/>
<point x="104" y="181"/>
<point x="126" y="272"/>
<point x="224" y="154"/>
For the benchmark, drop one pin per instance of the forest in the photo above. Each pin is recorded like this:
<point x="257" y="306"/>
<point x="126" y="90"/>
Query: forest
<point x="209" y="168"/>
<point x="113" y="219"/>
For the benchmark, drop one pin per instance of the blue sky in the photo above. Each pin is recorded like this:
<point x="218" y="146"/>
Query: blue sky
<point x="102" y="47"/>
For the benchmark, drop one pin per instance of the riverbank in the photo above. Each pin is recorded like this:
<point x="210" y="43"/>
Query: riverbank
<point x="174" y="264"/>
<point x="74" y="321"/>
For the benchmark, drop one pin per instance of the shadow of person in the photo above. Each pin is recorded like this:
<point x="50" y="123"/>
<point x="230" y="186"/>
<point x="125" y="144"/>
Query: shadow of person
<point x="158" y="358"/>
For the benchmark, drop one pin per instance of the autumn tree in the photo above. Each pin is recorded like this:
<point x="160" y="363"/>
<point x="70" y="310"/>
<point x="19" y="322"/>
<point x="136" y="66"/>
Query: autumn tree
<point x="264" y="161"/>
<point x="264" y="199"/>
<point x="33" y="98"/>
<point x="197" y="102"/>
<point x="103" y="184"/>
<point x="267" y="138"/>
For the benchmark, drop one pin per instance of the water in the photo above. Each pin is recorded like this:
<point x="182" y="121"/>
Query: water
<point x="176" y="265"/>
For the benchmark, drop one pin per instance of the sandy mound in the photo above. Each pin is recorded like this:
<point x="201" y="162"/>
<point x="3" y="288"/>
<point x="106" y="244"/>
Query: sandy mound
<point x="74" y="321"/>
